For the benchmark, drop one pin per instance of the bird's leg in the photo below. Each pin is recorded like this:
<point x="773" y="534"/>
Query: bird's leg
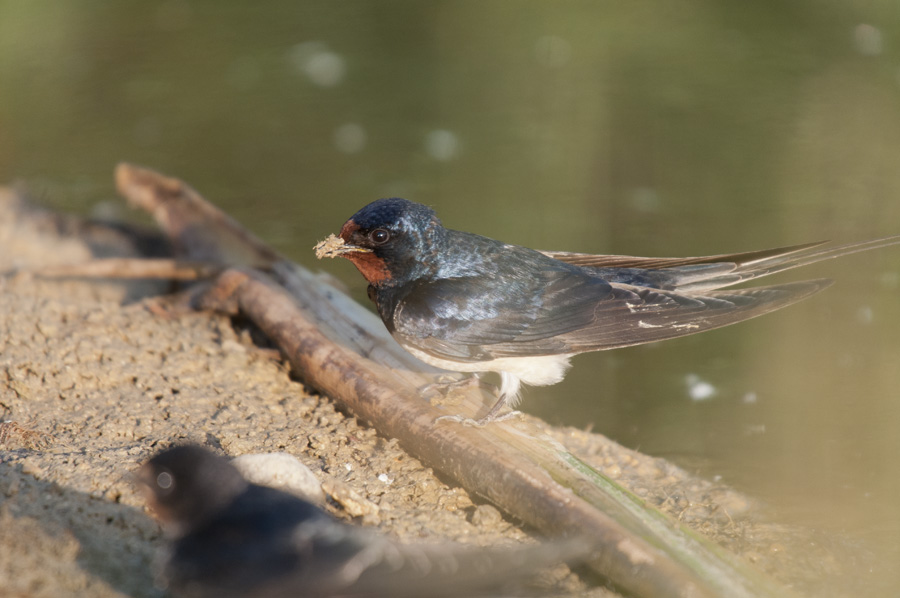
<point x="447" y="385"/>
<point x="509" y="394"/>
<point x="494" y="414"/>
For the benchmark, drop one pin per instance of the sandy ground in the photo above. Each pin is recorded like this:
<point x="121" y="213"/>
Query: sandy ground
<point x="97" y="381"/>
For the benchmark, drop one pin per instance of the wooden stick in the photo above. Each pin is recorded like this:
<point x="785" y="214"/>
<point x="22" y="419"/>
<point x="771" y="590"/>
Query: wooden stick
<point x="132" y="268"/>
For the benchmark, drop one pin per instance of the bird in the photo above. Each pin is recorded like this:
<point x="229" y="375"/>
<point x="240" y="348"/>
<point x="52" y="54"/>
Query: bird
<point x="234" y="539"/>
<point x="468" y="303"/>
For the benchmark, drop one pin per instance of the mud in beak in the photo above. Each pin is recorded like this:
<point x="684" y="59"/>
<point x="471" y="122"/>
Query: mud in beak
<point x="336" y="247"/>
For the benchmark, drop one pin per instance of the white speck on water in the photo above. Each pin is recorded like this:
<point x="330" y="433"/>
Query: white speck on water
<point x="552" y="51"/>
<point x="868" y="39"/>
<point x="755" y="429"/>
<point x="699" y="390"/>
<point x="442" y="145"/>
<point x="865" y="314"/>
<point x="644" y="199"/>
<point x="322" y="66"/>
<point x="749" y="398"/>
<point x="350" y="138"/>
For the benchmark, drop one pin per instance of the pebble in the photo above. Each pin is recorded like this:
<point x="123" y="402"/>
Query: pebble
<point x="352" y="502"/>
<point x="282" y="471"/>
<point x="613" y="471"/>
<point x="31" y="467"/>
<point x="486" y="515"/>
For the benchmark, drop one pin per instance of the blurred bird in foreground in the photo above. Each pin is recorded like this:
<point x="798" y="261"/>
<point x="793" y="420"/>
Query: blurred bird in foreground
<point x="467" y="303"/>
<point x="235" y="539"/>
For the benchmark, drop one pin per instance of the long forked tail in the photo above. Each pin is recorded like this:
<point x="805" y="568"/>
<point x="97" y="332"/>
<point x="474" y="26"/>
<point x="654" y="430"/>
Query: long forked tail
<point x="733" y="268"/>
<point x="808" y="255"/>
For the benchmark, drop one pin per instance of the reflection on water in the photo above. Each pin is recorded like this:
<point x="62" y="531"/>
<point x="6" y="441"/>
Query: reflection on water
<point x="689" y="128"/>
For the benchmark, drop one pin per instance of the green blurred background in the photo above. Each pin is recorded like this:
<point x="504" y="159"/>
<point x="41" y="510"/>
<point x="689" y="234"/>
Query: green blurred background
<point x="649" y="128"/>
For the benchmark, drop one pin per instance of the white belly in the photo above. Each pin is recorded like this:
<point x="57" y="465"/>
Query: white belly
<point x="540" y="370"/>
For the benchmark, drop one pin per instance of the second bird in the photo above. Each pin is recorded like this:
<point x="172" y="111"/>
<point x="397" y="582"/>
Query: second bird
<point x="467" y="303"/>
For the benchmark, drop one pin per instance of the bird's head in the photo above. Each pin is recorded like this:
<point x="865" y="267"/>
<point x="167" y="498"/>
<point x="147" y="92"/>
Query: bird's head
<point x="390" y="241"/>
<point x="187" y="485"/>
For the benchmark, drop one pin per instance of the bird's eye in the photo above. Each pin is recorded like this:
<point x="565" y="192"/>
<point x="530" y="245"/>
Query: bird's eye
<point x="165" y="481"/>
<point x="379" y="236"/>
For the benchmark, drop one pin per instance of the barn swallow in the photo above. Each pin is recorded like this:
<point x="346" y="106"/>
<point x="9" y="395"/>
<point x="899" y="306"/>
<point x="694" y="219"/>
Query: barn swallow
<point x="235" y="539"/>
<point x="467" y="303"/>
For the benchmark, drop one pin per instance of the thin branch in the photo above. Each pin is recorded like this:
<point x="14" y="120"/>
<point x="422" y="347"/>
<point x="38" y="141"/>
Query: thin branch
<point x="132" y="268"/>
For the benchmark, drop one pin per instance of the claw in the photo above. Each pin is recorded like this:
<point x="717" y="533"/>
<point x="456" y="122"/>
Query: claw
<point x="481" y="422"/>
<point x="446" y="385"/>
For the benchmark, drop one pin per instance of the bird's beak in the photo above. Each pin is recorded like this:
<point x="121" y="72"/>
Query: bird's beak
<point x="336" y="247"/>
<point x="143" y="481"/>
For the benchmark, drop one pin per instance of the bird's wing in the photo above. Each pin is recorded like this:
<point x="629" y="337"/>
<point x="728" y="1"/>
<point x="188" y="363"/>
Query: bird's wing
<point x="662" y="315"/>
<point x="275" y="545"/>
<point x="464" y="318"/>
<point x="687" y="274"/>
<point x="476" y="319"/>
<point x="436" y="570"/>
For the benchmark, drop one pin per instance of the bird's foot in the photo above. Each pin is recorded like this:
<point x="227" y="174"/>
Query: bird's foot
<point x="448" y="386"/>
<point x="480" y="422"/>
